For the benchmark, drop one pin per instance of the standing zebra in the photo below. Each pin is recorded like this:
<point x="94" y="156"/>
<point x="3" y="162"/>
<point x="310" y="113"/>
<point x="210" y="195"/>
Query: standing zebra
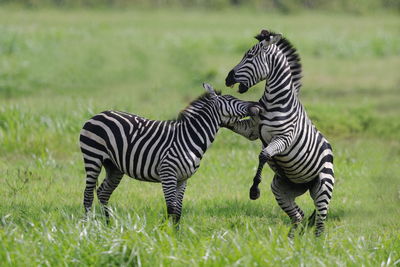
<point x="295" y="150"/>
<point x="155" y="151"/>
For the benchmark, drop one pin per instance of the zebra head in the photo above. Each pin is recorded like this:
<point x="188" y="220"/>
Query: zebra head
<point x="230" y="108"/>
<point x="254" y="66"/>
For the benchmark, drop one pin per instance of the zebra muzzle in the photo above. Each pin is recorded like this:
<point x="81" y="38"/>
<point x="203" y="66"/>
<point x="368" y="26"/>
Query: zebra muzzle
<point x="230" y="79"/>
<point x="243" y="88"/>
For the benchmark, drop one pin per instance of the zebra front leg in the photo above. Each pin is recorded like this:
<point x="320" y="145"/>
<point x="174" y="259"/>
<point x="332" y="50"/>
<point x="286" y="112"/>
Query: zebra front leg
<point x="180" y="192"/>
<point x="254" y="190"/>
<point x="277" y="145"/>
<point x="321" y="193"/>
<point x="169" y="186"/>
<point x="112" y="180"/>
<point x="179" y="198"/>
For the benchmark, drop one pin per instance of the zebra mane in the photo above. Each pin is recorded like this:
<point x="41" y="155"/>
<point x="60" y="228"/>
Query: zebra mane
<point x="200" y="101"/>
<point x="292" y="57"/>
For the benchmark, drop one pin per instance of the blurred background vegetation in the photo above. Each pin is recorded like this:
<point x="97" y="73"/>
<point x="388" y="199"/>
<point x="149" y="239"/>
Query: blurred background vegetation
<point x="282" y="6"/>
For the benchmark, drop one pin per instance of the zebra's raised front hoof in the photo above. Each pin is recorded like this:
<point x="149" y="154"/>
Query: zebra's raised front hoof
<point x="254" y="192"/>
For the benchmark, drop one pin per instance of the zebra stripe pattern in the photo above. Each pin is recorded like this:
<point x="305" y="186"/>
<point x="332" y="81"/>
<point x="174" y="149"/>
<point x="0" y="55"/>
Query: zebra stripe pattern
<point x="296" y="151"/>
<point x="166" y="152"/>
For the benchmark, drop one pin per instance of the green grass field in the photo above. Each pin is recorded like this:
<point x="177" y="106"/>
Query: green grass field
<point x="58" y="68"/>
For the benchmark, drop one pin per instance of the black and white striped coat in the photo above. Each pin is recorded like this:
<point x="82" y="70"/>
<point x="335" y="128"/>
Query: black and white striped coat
<point x="167" y="152"/>
<point x="298" y="153"/>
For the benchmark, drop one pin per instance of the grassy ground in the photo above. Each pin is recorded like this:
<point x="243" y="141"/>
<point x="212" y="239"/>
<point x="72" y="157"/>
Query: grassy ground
<point x="59" y="68"/>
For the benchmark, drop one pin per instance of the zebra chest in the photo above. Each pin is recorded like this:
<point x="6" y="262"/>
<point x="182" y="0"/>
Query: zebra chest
<point x="266" y="136"/>
<point x="268" y="132"/>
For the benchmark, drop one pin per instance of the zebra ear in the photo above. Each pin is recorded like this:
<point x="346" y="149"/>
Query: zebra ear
<point x="210" y="89"/>
<point x="275" y="38"/>
<point x="271" y="39"/>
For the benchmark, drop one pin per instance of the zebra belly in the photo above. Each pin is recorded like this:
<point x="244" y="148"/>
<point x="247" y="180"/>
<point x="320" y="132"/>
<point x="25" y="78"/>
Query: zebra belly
<point x="302" y="162"/>
<point x="151" y="179"/>
<point x="143" y="164"/>
<point x="147" y="171"/>
<point x="186" y="163"/>
<point x="296" y="175"/>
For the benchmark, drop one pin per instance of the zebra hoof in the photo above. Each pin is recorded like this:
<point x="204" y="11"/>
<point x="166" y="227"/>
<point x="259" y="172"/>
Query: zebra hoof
<point x="319" y="232"/>
<point x="254" y="193"/>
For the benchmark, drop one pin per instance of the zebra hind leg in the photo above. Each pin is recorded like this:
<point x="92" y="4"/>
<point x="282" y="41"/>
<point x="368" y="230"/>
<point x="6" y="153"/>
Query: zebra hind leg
<point x="321" y="193"/>
<point x="112" y="180"/>
<point x="254" y="190"/>
<point x="285" y="194"/>
<point x="92" y="169"/>
<point x="311" y="219"/>
<point x="309" y="224"/>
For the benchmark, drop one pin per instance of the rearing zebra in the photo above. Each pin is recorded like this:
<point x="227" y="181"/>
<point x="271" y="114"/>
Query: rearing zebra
<point x="296" y="151"/>
<point x="155" y="151"/>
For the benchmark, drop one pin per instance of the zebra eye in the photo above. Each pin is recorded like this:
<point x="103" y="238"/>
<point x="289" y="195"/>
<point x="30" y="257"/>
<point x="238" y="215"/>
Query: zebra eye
<point x="250" y="55"/>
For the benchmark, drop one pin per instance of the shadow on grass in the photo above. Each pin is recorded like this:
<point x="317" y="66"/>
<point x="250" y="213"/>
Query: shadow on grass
<point x="231" y="213"/>
<point x="229" y="209"/>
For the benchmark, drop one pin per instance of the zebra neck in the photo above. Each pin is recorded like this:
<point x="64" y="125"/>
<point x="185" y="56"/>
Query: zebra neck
<point x="278" y="88"/>
<point x="199" y="130"/>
